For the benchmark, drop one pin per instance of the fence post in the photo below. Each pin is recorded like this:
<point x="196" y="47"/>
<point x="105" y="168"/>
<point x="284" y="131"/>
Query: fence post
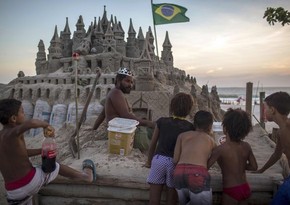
<point x="262" y="114"/>
<point x="249" y="96"/>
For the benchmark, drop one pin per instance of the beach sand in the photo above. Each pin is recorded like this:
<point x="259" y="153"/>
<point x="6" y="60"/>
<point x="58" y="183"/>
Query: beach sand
<point x="95" y="148"/>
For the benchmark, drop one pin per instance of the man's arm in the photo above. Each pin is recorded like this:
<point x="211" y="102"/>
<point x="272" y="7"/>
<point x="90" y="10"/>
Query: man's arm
<point x="100" y="119"/>
<point x="120" y="104"/>
<point x="274" y="157"/>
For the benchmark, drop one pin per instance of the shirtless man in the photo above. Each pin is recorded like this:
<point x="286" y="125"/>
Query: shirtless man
<point x="192" y="150"/>
<point x="116" y="104"/>
<point x="234" y="157"/>
<point x="277" y="109"/>
<point x="22" y="180"/>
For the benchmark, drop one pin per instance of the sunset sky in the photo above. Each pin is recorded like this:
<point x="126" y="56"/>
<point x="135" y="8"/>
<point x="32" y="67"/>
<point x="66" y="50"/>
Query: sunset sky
<point x="226" y="43"/>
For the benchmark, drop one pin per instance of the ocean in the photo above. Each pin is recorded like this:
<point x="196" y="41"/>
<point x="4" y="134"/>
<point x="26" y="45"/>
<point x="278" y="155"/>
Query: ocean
<point x="235" y="92"/>
<point x="229" y="98"/>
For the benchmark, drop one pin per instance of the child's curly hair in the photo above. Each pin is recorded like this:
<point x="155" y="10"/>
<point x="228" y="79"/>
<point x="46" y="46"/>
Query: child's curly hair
<point x="181" y="104"/>
<point x="237" y="124"/>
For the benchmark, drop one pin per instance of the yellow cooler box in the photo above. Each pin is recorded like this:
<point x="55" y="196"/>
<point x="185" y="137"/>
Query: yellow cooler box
<point x="120" y="140"/>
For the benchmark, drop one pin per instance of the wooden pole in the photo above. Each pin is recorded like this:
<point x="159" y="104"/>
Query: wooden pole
<point x="262" y="114"/>
<point x="249" y="96"/>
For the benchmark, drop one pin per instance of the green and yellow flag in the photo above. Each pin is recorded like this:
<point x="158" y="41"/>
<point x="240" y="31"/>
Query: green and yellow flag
<point x="168" y="13"/>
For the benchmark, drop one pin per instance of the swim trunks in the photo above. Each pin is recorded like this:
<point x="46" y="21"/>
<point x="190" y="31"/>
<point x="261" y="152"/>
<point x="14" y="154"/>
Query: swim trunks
<point x="161" y="171"/>
<point x="186" y="197"/>
<point x="17" y="194"/>
<point x="239" y="193"/>
<point x="193" y="177"/>
<point x="283" y="194"/>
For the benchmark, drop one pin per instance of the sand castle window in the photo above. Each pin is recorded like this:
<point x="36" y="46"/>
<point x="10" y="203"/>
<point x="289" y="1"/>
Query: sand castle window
<point x="47" y="93"/>
<point x="98" y="93"/>
<point x="27" y="82"/>
<point x="56" y="81"/>
<point x="64" y="81"/>
<point x="35" y="81"/>
<point x="99" y="63"/>
<point x="78" y="92"/>
<point x="38" y="93"/>
<point x="56" y="95"/>
<point x="67" y="94"/>
<point x="105" y="81"/>
<point x="108" y="90"/>
<point x="30" y="93"/>
<point x="12" y="93"/>
<point x="113" y="80"/>
<point x="49" y="81"/>
<point x="20" y="93"/>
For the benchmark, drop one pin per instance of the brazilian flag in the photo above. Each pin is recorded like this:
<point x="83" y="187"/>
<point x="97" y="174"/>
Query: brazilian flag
<point x="168" y="13"/>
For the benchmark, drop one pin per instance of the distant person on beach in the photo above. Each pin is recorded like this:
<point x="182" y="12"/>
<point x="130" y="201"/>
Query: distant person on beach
<point x="161" y="150"/>
<point x="234" y="157"/>
<point x="192" y="150"/>
<point x="116" y="104"/>
<point x="22" y="180"/>
<point x="277" y="109"/>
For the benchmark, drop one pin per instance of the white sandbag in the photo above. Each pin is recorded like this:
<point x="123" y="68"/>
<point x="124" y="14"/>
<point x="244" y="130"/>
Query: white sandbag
<point x="58" y="115"/>
<point x="42" y="111"/>
<point x="71" y="112"/>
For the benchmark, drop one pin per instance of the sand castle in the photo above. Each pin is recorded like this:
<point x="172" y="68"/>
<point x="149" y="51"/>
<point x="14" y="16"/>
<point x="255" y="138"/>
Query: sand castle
<point x="104" y="47"/>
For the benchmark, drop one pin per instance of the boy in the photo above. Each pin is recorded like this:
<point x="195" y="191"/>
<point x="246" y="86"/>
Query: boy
<point x="192" y="150"/>
<point x="277" y="108"/>
<point x="22" y="180"/>
<point x="235" y="157"/>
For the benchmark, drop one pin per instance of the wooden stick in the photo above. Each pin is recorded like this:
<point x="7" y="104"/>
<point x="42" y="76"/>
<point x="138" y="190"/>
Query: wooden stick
<point x="72" y="143"/>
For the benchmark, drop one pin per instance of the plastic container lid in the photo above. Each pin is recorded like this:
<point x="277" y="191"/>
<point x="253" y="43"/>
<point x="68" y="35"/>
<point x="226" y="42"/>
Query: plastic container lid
<point x="217" y="127"/>
<point x="122" y="129"/>
<point x="124" y="123"/>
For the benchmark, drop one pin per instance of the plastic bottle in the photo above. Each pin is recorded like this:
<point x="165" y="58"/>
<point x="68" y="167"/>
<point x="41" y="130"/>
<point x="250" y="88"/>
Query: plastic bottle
<point x="48" y="154"/>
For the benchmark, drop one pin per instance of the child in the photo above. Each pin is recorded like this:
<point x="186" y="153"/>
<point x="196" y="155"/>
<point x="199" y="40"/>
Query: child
<point x="235" y="157"/>
<point x="192" y="150"/>
<point x="166" y="132"/>
<point x="22" y="180"/>
<point x="277" y="108"/>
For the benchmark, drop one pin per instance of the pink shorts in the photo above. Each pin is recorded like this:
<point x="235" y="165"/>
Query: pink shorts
<point x="239" y="193"/>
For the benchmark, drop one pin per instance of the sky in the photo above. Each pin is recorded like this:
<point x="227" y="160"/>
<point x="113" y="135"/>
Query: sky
<point x="226" y="43"/>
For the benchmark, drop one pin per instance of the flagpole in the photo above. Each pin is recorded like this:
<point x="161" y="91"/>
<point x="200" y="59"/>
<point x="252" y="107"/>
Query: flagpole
<point x="154" y="30"/>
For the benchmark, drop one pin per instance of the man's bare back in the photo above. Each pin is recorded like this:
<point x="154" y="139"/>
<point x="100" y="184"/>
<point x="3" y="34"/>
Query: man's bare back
<point x="196" y="148"/>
